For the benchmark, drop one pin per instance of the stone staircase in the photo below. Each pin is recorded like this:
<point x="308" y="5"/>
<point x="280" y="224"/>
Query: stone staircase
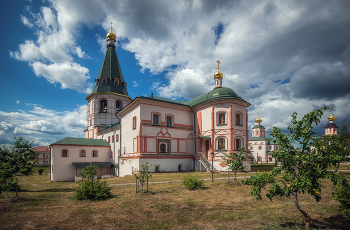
<point x="207" y="164"/>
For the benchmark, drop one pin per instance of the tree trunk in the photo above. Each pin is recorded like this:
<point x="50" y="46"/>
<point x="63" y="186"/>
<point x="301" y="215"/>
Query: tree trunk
<point x="306" y="216"/>
<point x="336" y="168"/>
<point x="235" y="175"/>
<point x="228" y="175"/>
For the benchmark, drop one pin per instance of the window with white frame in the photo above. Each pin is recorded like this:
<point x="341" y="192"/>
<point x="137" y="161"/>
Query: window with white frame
<point x="47" y="155"/>
<point x="41" y="155"/>
<point x="163" y="146"/>
<point x="94" y="153"/>
<point x="104" y="80"/>
<point x="47" y="161"/>
<point x="117" y="107"/>
<point x="40" y="161"/>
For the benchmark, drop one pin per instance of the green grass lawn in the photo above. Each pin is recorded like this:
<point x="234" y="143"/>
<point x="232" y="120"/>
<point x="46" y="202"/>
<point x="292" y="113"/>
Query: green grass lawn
<point x="221" y="205"/>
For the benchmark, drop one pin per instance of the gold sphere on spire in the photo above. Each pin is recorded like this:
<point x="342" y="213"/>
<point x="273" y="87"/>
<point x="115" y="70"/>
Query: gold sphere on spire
<point x="258" y="120"/>
<point x="331" y="118"/>
<point x="218" y="73"/>
<point x="111" y="35"/>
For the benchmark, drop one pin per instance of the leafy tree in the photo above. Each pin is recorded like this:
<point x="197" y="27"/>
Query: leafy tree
<point x="91" y="189"/>
<point x="144" y="175"/>
<point x="234" y="162"/>
<point x="337" y="146"/>
<point x="302" y="166"/>
<point x="17" y="157"/>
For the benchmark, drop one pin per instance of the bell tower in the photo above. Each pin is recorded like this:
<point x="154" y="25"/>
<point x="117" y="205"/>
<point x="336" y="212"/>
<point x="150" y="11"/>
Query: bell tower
<point x="110" y="94"/>
<point x="258" y="129"/>
<point x="331" y="128"/>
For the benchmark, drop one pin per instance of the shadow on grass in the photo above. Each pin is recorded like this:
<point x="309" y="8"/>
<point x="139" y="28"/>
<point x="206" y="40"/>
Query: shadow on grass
<point x="333" y="222"/>
<point x="49" y="190"/>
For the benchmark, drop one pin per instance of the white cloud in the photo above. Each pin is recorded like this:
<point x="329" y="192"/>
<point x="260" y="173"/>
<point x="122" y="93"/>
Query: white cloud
<point x="18" y="101"/>
<point x="135" y="83"/>
<point x="69" y="75"/>
<point x="47" y="126"/>
<point x="26" y="22"/>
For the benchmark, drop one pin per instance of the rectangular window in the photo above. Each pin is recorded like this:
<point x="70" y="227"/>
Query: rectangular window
<point x="155" y="119"/>
<point x="94" y="153"/>
<point x="112" y="138"/>
<point x="41" y="155"/>
<point x="238" y="119"/>
<point x="40" y="161"/>
<point x="47" y="161"/>
<point x="82" y="153"/>
<point x="64" y="153"/>
<point x="169" y="122"/>
<point x="47" y="155"/>
<point x="222" y="119"/>
<point x="117" y="138"/>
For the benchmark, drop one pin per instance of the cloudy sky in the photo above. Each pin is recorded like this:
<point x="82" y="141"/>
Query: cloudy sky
<point x="281" y="56"/>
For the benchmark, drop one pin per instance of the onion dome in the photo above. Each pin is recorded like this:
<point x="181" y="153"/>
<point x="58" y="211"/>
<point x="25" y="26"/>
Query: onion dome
<point x="258" y="120"/>
<point x="331" y="118"/>
<point x="218" y="73"/>
<point x="111" y="35"/>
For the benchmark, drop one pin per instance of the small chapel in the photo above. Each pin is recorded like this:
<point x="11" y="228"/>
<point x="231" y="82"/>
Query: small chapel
<point x="124" y="133"/>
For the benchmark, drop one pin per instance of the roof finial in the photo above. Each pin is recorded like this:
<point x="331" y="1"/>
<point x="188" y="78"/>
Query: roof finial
<point x="218" y="63"/>
<point x="331" y="118"/>
<point x="258" y="119"/>
<point x="111" y="35"/>
<point x="111" y="25"/>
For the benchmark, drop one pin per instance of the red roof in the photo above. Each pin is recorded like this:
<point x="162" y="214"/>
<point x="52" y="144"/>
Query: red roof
<point x="41" y="149"/>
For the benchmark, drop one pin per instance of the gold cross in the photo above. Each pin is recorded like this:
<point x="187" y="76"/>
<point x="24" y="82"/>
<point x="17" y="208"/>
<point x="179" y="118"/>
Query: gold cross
<point x="111" y="25"/>
<point x="218" y="63"/>
<point x="331" y="109"/>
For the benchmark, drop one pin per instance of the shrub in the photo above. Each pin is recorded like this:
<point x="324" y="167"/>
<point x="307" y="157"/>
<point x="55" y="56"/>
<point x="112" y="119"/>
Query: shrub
<point x="93" y="191"/>
<point x="192" y="182"/>
<point x="40" y="171"/>
<point x="342" y="194"/>
<point x="90" y="189"/>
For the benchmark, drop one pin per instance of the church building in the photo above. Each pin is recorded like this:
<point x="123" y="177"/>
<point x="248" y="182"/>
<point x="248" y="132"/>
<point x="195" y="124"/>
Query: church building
<point x="124" y="133"/>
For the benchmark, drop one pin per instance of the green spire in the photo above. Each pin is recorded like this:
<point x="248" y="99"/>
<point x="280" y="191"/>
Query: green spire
<point x="110" y="77"/>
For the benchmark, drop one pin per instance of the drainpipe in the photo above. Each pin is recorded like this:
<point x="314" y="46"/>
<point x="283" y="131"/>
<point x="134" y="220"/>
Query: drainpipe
<point x="195" y="139"/>
<point x="120" y="141"/>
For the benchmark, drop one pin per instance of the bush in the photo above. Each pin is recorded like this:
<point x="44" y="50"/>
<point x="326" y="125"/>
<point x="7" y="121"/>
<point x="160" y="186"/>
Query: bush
<point x="192" y="182"/>
<point x="342" y="194"/>
<point x="93" y="191"/>
<point x="40" y="171"/>
<point x="90" y="189"/>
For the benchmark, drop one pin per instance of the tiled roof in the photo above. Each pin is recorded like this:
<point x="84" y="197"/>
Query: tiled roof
<point x="41" y="148"/>
<point x="110" y="68"/>
<point x="81" y="141"/>
<point x="156" y="98"/>
<point x="216" y="93"/>
<point x="258" y="126"/>
<point x="258" y="139"/>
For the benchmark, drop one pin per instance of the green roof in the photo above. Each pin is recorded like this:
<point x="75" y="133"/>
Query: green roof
<point x="258" y="126"/>
<point x="110" y="68"/>
<point x="216" y="93"/>
<point x="258" y="139"/>
<point x="156" y="98"/>
<point x="98" y="164"/>
<point x="81" y="141"/>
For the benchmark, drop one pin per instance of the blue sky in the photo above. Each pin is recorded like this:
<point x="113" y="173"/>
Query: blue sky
<point x="279" y="56"/>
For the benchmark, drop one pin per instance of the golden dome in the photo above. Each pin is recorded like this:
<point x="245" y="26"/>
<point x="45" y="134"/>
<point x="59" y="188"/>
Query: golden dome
<point x="218" y="73"/>
<point x="331" y="118"/>
<point x="258" y="120"/>
<point x="111" y="35"/>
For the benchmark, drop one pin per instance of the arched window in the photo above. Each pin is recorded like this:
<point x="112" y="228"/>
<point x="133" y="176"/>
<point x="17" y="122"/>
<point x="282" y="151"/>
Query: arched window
<point x="117" y="138"/>
<point x="134" y="123"/>
<point x="103" y="106"/>
<point x="104" y="80"/>
<point x="221" y="144"/>
<point x="64" y="153"/>
<point x="116" y="81"/>
<point x="117" y="107"/>
<point x="260" y="147"/>
<point x="238" y="144"/>
<point x="112" y="138"/>
<point x="109" y="139"/>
